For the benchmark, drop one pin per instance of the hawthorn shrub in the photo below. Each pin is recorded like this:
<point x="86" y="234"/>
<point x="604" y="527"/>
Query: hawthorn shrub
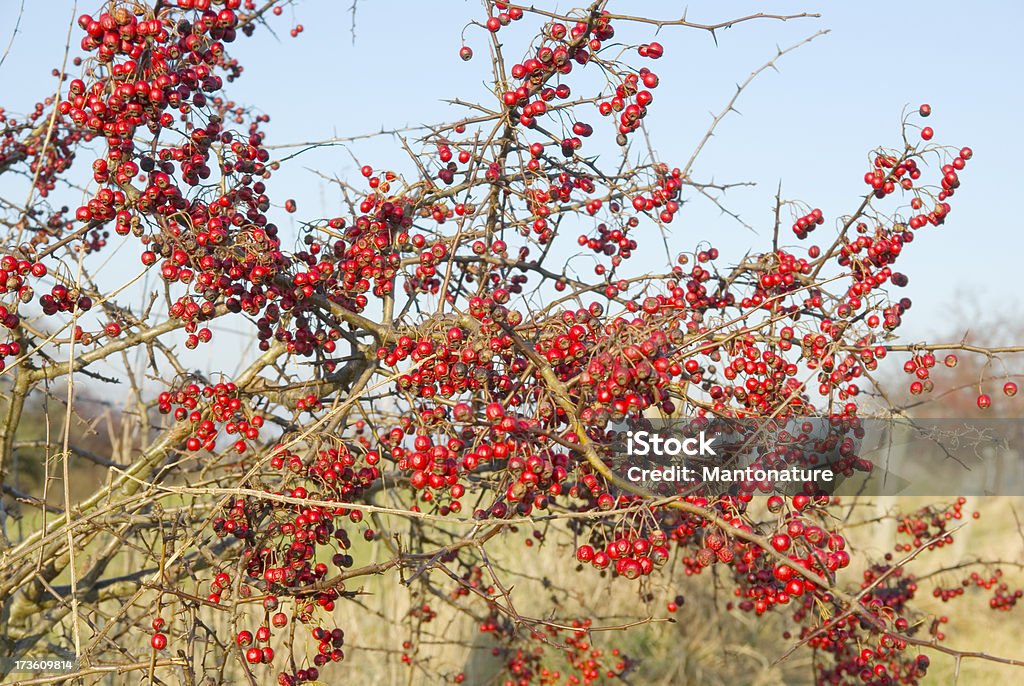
<point x="437" y="380"/>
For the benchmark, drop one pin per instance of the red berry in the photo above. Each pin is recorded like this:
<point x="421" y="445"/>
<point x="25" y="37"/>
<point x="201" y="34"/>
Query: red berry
<point x="494" y="411"/>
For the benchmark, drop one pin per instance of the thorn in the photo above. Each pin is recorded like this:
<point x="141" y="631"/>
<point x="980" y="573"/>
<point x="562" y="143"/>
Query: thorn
<point x="715" y="37"/>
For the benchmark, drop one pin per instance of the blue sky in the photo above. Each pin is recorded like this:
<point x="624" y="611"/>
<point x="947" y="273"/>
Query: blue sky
<point x="811" y="125"/>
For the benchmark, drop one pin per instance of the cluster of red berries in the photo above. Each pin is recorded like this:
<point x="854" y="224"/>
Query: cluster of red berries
<point x="504" y="16"/>
<point x="633" y="555"/>
<point x="664" y="196"/>
<point x="782" y="275"/>
<point x="210" y="409"/>
<point x="1003" y="599"/>
<point x="919" y="366"/>
<point x="337" y="472"/>
<point x="582" y="662"/>
<point x="64" y="299"/>
<point x="807" y="223"/>
<point x="631" y="99"/>
<point x="872" y="657"/>
<point x="560" y="47"/>
<point x="890" y="173"/>
<point x="49" y="153"/>
<point x="928" y="525"/>
<point x="14" y="276"/>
